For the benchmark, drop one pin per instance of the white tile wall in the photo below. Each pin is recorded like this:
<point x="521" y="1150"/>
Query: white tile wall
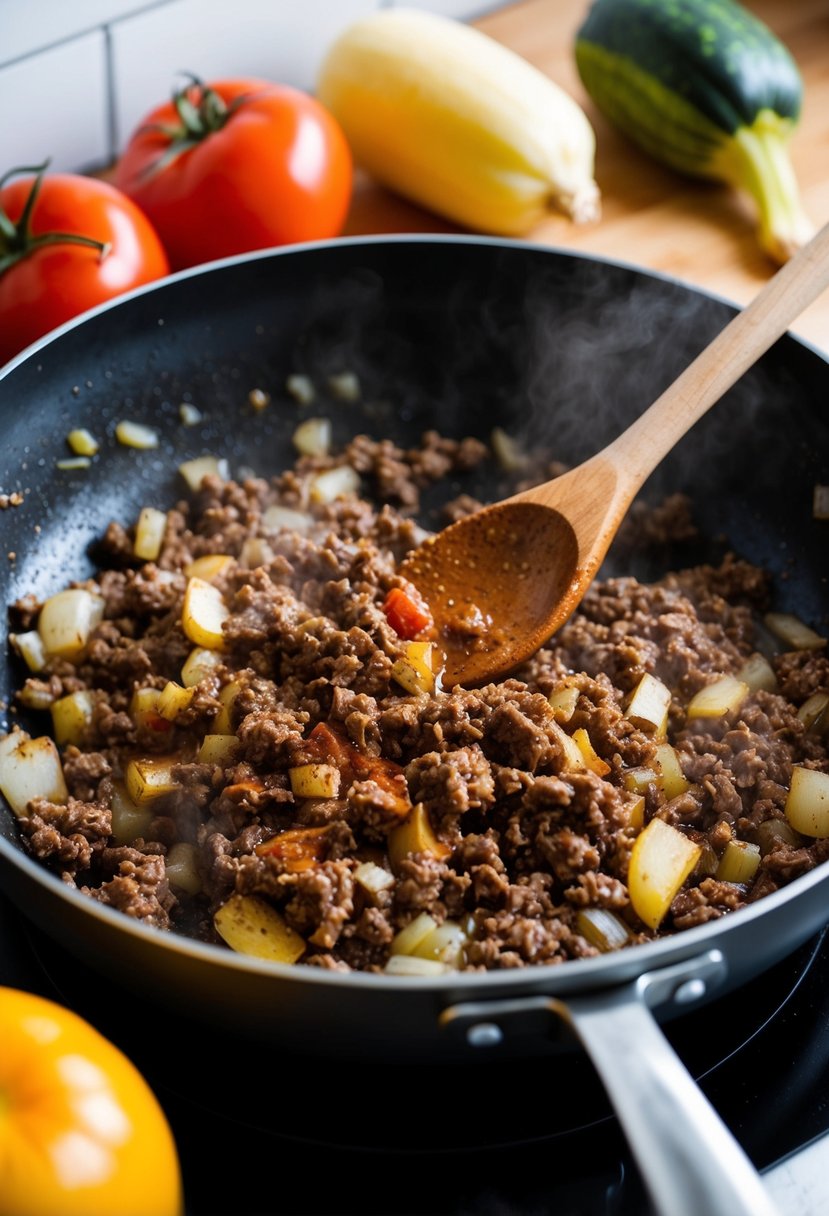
<point x="57" y="106"/>
<point x="77" y="75"/>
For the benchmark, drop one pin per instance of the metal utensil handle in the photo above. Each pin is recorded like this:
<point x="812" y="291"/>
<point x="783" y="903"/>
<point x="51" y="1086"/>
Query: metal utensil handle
<point x="689" y="1160"/>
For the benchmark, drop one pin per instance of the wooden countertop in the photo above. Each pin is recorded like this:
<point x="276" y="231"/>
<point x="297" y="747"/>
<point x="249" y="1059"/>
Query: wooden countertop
<point x="699" y="232"/>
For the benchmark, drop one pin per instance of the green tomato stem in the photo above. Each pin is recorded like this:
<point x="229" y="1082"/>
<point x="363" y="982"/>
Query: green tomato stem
<point x="17" y="241"/>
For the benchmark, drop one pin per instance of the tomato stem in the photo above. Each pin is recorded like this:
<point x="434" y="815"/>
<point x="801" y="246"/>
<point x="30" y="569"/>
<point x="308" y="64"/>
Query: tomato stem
<point x="201" y="111"/>
<point x="17" y="240"/>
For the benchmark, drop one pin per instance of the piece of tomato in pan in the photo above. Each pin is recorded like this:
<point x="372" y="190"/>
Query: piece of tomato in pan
<point x="407" y="613"/>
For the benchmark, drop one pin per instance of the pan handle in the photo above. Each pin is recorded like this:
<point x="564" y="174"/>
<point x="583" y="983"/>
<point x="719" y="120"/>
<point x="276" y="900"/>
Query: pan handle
<point x="689" y="1160"/>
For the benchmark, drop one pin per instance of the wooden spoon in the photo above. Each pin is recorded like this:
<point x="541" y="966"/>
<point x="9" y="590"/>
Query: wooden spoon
<point x="501" y="581"/>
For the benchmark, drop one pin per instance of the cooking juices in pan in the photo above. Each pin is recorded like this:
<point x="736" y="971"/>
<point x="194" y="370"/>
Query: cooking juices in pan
<point x="245" y="737"/>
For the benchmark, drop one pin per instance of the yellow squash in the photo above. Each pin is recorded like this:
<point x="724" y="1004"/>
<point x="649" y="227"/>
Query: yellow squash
<point x="446" y="116"/>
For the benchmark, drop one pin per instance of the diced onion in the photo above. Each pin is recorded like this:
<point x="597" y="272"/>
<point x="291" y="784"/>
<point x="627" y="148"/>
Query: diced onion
<point x="203" y="614"/>
<point x="189" y="414"/>
<point x="373" y="878"/>
<point x="223" y="722"/>
<point x="182" y="868"/>
<point x="149" y="533"/>
<point x="718" y="698"/>
<point x="335" y="483"/>
<point x="67" y="619"/>
<point x="820" y="502"/>
<point x="573" y="760"/>
<point x="208" y="566"/>
<point x="73" y="462"/>
<point x="255" y="552"/>
<point x="313" y="437"/>
<point x="409" y="938"/>
<point x="301" y="388"/>
<point x="813" y="712"/>
<point x="249" y="925"/>
<point x="793" y="632"/>
<point x="284" y="519"/>
<point x="30" y="648"/>
<point x="412" y="964"/>
<point x="30" y="768"/>
<point x="593" y="762"/>
<point x="258" y="399"/>
<point x="670" y="777"/>
<point x="758" y="674"/>
<point x="128" y="820"/>
<point x="135" y="435"/>
<point x="602" y="928"/>
<point x="772" y="832"/>
<point x="173" y="700"/>
<point x="563" y="701"/>
<point x="199" y="665"/>
<point x="345" y="386"/>
<point x="508" y="452"/>
<point x="807" y="804"/>
<point x="194" y="471"/>
<point x="445" y="943"/>
<point x="649" y="703"/>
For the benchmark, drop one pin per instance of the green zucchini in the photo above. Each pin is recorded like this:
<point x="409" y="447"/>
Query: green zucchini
<point x="706" y="88"/>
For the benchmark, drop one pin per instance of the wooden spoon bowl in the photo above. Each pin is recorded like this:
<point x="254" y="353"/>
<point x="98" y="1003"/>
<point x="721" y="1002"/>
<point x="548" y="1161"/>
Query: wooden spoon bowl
<point x="501" y="581"/>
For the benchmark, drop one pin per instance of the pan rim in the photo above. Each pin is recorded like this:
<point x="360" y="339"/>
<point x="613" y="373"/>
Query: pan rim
<point x="597" y="972"/>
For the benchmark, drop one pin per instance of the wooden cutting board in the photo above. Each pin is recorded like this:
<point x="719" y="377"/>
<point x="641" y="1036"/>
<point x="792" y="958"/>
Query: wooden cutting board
<point x="699" y="232"/>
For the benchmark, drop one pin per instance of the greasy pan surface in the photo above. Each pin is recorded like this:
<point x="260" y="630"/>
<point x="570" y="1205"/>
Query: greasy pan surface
<point x="459" y="334"/>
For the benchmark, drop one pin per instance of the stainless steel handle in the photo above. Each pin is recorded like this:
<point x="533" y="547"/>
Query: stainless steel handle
<point x="690" y="1162"/>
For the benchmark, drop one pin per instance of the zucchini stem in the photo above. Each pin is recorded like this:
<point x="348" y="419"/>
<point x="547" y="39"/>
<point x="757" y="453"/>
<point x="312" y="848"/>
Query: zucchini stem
<point x="757" y="159"/>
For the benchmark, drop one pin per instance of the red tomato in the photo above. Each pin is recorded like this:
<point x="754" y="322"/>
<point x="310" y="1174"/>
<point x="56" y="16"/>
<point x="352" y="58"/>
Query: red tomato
<point x="46" y="276"/>
<point x="238" y="165"/>
<point x="406" y="612"/>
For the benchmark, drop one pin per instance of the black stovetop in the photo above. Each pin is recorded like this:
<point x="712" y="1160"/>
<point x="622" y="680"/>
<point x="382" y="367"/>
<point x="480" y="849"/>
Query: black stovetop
<point x="527" y="1138"/>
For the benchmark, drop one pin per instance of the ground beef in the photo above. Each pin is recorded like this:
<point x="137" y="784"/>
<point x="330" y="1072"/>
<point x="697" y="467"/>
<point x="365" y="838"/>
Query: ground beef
<point x="497" y="822"/>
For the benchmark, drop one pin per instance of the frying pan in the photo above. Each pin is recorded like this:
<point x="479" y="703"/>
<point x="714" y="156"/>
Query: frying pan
<point x="461" y="334"/>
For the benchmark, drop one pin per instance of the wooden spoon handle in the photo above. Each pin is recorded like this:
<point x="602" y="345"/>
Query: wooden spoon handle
<point x="638" y="451"/>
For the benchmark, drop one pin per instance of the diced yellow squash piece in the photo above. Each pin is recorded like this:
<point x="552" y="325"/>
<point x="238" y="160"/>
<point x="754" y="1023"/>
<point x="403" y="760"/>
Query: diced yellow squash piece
<point x="182" y="868"/>
<point x="592" y="761"/>
<point x="199" y="665"/>
<point x="128" y="820"/>
<point x="758" y="673"/>
<point x="670" y="777"/>
<point x="415" y="835"/>
<point x="71" y="716"/>
<point x="30" y="768"/>
<point x="173" y="700"/>
<point x="255" y="552"/>
<point x="135" y="435"/>
<point x="414" y="672"/>
<point x="195" y="471"/>
<point x="223" y="722"/>
<point x="739" y="861"/>
<point x="409" y="938"/>
<point x="203" y="614"/>
<point x="82" y="442"/>
<point x="208" y="566"/>
<point x="660" y="861"/>
<point x="67" y="619"/>
<point x="149" y="533"/>
<point x="249" y="925"/>
<point x="649" y="703"/>
<point x="807" y="804"/>
<point x="573" y="760"/>
<point x="636" y="812"/>
<point x="148" y="779"/>
<point x="314" y="780"/>
<point x="638" y="779"/>
<point x="277" y="518"/>
<point x="218" y="749"/>
<point x="413" y="964"/>
<point x="793" y="632"/>
<point x="30" y="648"/>
<point x="720" y="697"/>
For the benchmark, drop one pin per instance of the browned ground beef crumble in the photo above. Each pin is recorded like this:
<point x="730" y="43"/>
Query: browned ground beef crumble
<point x="529" y="842"/>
